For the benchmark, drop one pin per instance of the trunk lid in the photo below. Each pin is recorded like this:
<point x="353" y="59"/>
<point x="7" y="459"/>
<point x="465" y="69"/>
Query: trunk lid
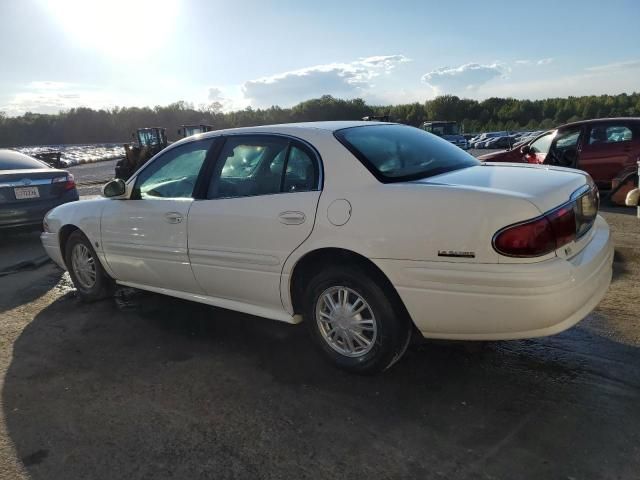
<point x="553" y="190"/>
<point x="545" y="186"/>
<point x="19" y="186"/>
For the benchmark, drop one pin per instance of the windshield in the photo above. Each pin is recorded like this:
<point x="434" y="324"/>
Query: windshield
<point x="398" y="152"/>
<point x="450" y="128"/>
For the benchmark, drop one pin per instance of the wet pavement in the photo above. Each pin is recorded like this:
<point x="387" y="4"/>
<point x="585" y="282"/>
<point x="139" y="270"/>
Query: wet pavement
<point x="146" y="386"/>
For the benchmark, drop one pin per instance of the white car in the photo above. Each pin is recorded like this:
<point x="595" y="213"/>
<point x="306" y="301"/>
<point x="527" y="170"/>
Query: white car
<point x="367" y="231"/>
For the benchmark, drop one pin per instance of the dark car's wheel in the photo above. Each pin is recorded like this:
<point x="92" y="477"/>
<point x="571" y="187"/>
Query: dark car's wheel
<point x="355" y="321"/>
<point x="87" y="274"/>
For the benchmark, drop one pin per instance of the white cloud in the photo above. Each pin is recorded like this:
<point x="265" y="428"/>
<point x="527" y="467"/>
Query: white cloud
<point x="225" y="99"/>
<point x="215" y="95"/>
<point x="628" y="65"/>
<point x="465" y="77"/>
<point x="47" y="85"/>
<point x="345" y="80"/>
<point x="52" y="97"/>
<point x="597" y="82"/>
<point x="542" y="61"/>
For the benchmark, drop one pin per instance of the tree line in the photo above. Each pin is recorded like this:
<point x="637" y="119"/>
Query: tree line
<point x="86" y="125"/>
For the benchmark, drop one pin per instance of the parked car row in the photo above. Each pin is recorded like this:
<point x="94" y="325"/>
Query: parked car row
<point x="502" y="139"/>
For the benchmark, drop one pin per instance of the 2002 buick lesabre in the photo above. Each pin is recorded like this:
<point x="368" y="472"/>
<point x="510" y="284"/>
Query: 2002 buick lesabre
<point x="367" y="231"/>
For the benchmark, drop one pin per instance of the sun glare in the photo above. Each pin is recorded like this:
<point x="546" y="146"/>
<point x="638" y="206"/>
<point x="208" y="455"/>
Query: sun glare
<point x="116" y="27"/>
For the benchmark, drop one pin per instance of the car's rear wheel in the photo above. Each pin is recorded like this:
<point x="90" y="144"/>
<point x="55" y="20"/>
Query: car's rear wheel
<point x="355" y="321"/>
<point x="85" y="269"/>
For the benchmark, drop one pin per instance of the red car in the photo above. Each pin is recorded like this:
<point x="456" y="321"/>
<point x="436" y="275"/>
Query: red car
<point x="607" y="149"/>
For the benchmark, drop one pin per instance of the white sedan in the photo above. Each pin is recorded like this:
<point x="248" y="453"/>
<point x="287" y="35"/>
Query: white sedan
<point x="367" y="231"/>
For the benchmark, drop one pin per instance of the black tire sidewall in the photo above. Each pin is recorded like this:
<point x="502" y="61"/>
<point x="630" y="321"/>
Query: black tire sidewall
<point x="103" y="286"/>
<point x="393" y="327"/>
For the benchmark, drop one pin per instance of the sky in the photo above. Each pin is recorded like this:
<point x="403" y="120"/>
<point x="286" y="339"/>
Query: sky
<point x="56" y="55"/>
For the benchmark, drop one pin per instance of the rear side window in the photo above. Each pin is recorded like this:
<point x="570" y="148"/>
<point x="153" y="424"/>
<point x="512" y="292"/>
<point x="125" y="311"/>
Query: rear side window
<point x="301" y="174"/>
<point x="251" y="165"/>
<point x="610" y="134"/>
<point x="394" y="153"/>
<point x="10" y="160"/>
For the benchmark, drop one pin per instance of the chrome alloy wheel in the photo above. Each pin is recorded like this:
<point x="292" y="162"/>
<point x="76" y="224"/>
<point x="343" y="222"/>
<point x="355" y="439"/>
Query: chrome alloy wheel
<point x="84" y="266"/>
<point x="346" y="321"/>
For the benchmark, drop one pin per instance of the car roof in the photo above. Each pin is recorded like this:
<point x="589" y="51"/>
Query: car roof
<point x="328" y="126"/>
<point x="600" y="120"/>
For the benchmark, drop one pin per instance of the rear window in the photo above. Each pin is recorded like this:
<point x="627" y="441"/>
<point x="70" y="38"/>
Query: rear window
<point x="396" y="153"/>
<point x="10" y="160"/>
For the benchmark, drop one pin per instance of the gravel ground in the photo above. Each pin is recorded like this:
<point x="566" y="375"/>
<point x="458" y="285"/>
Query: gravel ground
<point x="145" y="386"/>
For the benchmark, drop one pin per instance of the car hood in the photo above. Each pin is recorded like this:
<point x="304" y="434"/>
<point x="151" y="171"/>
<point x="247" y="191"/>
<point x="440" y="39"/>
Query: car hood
<point x="501" y="155"/>
<point x="545" y="186"/>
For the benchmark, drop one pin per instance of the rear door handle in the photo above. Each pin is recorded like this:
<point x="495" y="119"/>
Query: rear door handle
<point x="292" y="218"/>
<point x="173" y="217"/>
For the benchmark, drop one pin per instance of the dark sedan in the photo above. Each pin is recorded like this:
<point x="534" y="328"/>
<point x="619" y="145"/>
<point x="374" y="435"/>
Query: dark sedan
<point x="30" y="188"/>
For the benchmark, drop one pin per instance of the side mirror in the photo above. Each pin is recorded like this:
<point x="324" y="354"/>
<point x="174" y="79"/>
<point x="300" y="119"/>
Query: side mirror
<point x="633" y="198"/>
<point x="114" y="188"/>
<point x="525" y="150"/>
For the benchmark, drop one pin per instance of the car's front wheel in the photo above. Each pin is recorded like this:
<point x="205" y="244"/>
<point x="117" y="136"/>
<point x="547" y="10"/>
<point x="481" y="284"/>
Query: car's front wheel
<point x="85" y="269"/>
<point x="355" y="320"/>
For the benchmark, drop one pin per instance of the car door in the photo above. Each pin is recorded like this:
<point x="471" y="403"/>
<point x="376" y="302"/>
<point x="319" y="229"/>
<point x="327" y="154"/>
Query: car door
<point x="144" y="238"/>
<point x="609" y="148"/>
<point x="259" y="207"/>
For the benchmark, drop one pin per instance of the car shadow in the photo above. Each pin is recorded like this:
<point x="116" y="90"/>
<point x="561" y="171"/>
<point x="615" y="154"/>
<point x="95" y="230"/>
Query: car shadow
<point x="32" y="284"/>
<point x="147" y="386"/>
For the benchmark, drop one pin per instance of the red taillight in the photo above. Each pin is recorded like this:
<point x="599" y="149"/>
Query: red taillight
<point x="539" y="236"/>
<point x="563" y="222"/>
<point x="67" y="180"/>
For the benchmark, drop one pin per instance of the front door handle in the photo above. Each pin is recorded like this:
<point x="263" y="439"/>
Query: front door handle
<point x="292" y="218"/>
<point x="173" y="217"/>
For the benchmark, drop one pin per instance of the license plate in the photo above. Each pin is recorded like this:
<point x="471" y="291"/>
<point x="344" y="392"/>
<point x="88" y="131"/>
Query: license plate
<point x="25" y="193"/>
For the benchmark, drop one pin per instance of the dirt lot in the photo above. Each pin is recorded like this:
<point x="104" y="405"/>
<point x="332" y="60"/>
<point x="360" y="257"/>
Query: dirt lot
<point x="145" y="386"/>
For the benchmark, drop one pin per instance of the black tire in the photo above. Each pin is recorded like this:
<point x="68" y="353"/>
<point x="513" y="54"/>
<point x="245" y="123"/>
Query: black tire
<point x="394" y="328"/>
<point x="103" y="285"/>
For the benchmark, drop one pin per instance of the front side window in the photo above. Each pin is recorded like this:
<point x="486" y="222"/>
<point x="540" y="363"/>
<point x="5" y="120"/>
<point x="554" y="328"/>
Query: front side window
<point x="602" y="134"/>
<point x="395" y="153"/>
<point x="252" y="165"/>
<point x="564" y="149"/>
<point x="174" y="173"/>
<point x="542" y="144"/>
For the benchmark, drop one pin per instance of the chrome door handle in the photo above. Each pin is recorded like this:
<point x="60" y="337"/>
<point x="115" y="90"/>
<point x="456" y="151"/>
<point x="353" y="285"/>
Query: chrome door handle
<point x="173" y="217"/>
<point x="292" y="218"/>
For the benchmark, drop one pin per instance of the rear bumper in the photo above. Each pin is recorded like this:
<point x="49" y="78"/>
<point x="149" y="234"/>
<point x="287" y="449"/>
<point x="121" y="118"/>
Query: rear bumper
<point x="504" y="301"/>
<point x="31" y="213"/>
